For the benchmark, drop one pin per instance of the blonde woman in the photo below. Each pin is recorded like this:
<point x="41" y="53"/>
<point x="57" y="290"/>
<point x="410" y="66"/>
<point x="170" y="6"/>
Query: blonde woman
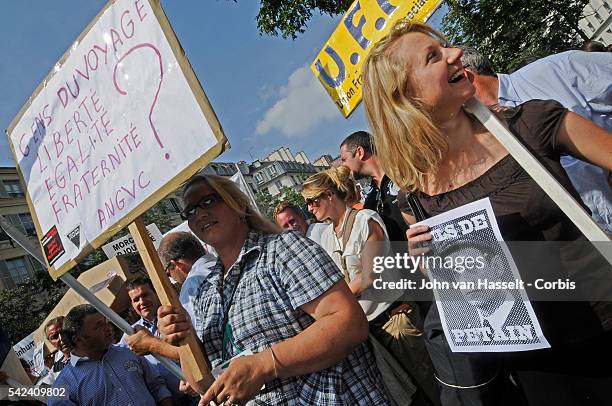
<point x="276" y="305"/>
<point x="353" y="239"/>
<point x="414" y="91"/>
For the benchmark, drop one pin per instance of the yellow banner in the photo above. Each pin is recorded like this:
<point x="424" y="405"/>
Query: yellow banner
<point x="338" y="65"/>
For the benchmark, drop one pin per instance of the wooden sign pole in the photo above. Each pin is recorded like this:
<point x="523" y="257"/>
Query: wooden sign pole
<point x="190" y="350"/>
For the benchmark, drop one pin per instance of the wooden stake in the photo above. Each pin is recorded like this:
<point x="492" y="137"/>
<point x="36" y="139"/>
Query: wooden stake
<point x="190" y="350"/>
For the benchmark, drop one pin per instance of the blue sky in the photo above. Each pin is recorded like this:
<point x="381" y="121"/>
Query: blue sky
<point x="261" y="87"/>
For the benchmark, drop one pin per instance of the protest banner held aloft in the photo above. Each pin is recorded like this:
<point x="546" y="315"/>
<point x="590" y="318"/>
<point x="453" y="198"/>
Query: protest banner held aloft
<point x="338" y="64"/>
<point x="119" y="122"/>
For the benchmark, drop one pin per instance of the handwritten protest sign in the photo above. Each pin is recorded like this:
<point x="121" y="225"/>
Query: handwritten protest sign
<point x="119" y="122"/>
<point x="338" y="65"/>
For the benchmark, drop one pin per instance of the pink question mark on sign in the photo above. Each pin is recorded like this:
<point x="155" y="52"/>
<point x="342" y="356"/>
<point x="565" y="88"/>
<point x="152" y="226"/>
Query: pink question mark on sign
<point x="161" y="78"/>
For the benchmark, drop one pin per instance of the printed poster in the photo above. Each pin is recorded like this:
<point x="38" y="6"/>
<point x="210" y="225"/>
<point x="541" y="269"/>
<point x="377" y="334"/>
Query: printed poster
<point x="479" y="293"/>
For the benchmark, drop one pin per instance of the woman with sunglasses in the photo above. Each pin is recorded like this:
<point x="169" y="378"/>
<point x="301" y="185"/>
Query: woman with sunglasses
<point x="429" y="145"/>
<point x="276" y="305"/>
<point x="329" y="195"/>
<point x="353" y="239"/>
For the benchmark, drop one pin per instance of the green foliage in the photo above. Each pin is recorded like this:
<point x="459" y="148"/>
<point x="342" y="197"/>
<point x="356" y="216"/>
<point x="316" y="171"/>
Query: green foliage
<point x="25" y="307"/>
<point x="267" y="203"/>
<point x="292" y="195"/>
<point x="508" y="31"/>
<point x="290" y="17"/>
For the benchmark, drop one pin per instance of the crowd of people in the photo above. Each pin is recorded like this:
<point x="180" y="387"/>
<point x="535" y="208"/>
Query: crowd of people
<point x="286" y="311"/>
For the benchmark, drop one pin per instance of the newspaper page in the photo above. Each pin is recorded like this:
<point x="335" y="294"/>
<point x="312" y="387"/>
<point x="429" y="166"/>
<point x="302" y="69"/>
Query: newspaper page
<point x="478" y="290"/>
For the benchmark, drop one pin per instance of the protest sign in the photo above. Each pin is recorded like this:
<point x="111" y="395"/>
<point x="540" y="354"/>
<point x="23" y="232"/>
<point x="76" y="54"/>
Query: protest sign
<point x="9" y="362"/>
<point x="478" y="289"/>
<point x="25" y="349"/>
<point x="338" y="64"/>
<point x="125" y="245"/>
<point x="119" y="122"/>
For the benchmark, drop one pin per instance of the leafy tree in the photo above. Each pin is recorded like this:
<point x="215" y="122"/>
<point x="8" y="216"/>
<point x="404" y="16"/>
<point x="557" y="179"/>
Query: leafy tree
<point x="508" y="31"/>
<point x="267" y="203"/>
<point x="290" y="17"/>
<point x="292" y="195"/>
<point x="25" y="307"/>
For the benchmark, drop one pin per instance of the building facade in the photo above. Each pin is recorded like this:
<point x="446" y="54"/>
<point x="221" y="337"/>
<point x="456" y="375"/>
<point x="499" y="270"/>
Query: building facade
<point x="273" y="176"/>
<point x="281" y="168"/>
<point x="597" y="21"/>
<point x="16" y="265"/>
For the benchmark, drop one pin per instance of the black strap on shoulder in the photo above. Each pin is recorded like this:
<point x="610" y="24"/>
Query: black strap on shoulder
<point x="416" y="207"/>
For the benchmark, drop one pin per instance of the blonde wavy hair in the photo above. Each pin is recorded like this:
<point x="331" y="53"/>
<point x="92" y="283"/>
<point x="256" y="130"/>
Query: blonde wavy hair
<point x="408" y="143"/>
<point x="337" y="179"/>
<point x="235" y="199"/>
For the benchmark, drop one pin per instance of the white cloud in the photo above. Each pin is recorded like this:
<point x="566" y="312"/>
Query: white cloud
<point x="303" y="105"/>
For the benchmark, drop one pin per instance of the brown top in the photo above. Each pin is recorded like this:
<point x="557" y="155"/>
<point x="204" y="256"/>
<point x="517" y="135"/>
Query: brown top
<point x="524" y="212"/>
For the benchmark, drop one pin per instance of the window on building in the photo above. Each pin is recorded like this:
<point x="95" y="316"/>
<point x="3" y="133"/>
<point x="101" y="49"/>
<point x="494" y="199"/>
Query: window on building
<point x="598" y="17"/>
<point x="272" y="170"/>
<point x="17" y="272"/>
<point x="26" y="222"/>
<point x="279" y="185"/>
<point x="4" y="236"/>
<point x="36" y="266"/>
<point x="176" y="206"/>
<point x="259" y="178"/>
<point x="13" y="188"/>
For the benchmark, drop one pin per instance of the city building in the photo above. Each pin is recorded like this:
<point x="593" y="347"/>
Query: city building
<point x="16" y="265"/>
<point x="273" y="176"/>
<point x="279" y="169"/>
<point x="325" y="160"/>
<point x="597" y="21"/>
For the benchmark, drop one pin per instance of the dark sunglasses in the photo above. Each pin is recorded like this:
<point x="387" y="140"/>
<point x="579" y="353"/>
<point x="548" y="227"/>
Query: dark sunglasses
<point x="315" y="201"/>
<point x="206" y="202"/>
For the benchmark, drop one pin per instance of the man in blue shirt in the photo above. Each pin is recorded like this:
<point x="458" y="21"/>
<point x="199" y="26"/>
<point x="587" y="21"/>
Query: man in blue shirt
<point x="145" y="340"/>
<point x="582" y="83"/>
<point x="102" y="374"/>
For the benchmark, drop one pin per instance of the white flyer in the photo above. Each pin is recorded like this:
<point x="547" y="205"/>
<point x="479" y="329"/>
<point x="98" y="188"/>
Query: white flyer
<point x="479" y="293"/>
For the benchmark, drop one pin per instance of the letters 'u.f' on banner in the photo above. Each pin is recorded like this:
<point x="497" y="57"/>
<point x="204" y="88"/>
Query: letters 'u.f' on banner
<point x="118" y="123"/>
<point x="338" y="65"/>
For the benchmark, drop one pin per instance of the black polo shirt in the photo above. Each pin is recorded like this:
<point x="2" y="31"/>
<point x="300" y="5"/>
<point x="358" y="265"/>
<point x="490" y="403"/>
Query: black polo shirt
<point x="384" y="202"/>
